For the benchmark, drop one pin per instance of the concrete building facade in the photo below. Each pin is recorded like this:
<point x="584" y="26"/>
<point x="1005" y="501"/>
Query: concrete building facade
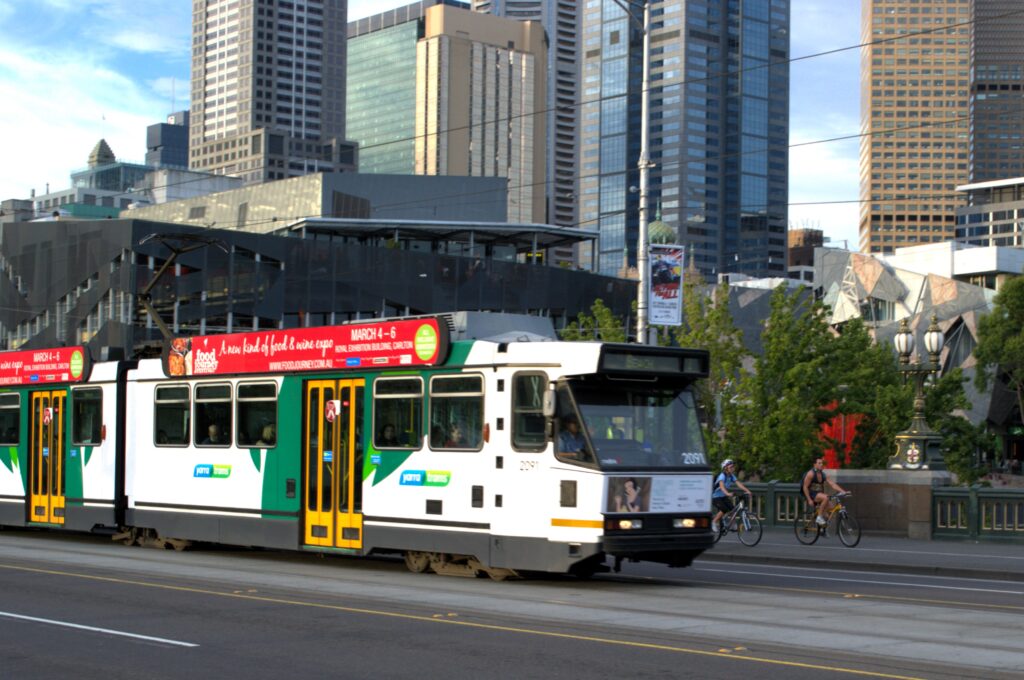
<point x="997" y="97"/>
<point x="268" y="88"/>
<point x="915" y="119"/>
<point x="562" y="19"/>
<point x="498" y="67"/>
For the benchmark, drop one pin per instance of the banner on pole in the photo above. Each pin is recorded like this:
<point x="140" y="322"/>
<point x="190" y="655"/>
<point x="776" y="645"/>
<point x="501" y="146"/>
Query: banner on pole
<point x="666" y="281"/>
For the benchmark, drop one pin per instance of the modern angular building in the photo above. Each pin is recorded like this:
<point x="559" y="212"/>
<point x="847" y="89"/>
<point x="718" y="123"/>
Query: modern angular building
<point x="915" y="116"/>
<point x="719" y="114"/>
<point x="268" y="88"/>
<point x="562" y="19"/>
<point x="463" y="91"/>
<point x="68" y="282"/>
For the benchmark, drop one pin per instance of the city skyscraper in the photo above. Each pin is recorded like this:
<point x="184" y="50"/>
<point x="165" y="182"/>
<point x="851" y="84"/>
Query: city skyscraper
<point x="562" y="21"/>
<point x="996" y="97"/>
<point x="275" y="67"/>
<point x="719" y="113"/>
<point x="439" y="90"/>
<point x="381" y="80"/>
<point x="915" y="119"/>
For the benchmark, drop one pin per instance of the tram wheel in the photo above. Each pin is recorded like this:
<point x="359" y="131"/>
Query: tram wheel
<point x="417" y="562"/>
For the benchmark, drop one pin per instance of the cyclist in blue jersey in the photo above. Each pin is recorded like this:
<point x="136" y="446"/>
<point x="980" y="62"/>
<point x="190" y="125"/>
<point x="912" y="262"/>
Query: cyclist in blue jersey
<point x="722" y="497"/>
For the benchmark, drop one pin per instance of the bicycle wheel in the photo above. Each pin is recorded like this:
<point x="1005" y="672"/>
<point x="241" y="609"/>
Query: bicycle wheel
<point x="716" y="536"/>
<point x="749" y="529"/>
<point x="805" y="529"/>
<point x="848" y="529"/>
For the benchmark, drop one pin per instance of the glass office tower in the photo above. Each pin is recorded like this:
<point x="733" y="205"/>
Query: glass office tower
<point x="719" y="123"/>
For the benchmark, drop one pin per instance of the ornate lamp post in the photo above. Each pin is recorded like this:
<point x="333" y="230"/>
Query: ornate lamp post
<point x="918" y="447"/>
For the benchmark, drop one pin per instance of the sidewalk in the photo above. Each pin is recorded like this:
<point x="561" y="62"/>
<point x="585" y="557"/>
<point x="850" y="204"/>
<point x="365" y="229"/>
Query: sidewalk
<point x="963" y="559"/>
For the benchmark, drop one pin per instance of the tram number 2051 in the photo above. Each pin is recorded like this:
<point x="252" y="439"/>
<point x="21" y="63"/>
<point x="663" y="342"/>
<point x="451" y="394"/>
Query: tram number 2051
<point x="527" y="465"/>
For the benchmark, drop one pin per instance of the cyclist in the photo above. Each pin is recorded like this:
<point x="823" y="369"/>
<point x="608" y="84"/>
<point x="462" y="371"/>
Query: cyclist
<point x="813" y="489"/>
<point x="721" y="497"/>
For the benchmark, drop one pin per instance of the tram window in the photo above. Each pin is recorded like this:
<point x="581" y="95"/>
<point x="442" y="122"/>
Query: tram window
<point x="528" y="411"/>
<point x="86" y="415"/>
<point x="171" y="418"/>
<point x="10" y="419"/>
<point x="457" y="412"/>
<point x="213" y="415"/>
<point x="257" y="414"/>
<point x="397" y="413"/>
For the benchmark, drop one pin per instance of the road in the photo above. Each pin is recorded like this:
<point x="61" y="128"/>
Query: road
<point x="84" y="607"/>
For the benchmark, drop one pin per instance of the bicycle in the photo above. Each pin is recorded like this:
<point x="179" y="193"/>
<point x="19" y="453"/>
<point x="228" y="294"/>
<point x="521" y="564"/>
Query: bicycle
<point x="838" y="521"/>
<point x="746" y="525"/>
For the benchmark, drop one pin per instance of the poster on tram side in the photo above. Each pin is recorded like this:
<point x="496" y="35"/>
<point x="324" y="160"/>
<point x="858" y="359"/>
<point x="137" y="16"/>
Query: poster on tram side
<point x="666" y="285"/>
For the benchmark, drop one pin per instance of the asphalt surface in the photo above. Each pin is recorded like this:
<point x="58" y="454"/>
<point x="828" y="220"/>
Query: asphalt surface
<point x="953" y="558"/>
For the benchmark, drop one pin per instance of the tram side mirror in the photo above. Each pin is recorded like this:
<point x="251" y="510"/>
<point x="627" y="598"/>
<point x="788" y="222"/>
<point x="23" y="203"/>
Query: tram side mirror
<point x="548" y="403"/>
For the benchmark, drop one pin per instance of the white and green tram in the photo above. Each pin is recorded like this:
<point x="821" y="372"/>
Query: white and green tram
<point x="463" y="456"/>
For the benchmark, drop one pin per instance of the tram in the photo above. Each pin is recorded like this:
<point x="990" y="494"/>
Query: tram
<point x="464" y="456"/>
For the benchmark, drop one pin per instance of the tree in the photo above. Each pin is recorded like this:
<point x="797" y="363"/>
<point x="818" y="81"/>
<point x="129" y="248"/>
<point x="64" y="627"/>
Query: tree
<point x="1001" y="341"/>
<point x="601" y="324"/>
<point x="964" y="445"/>
<point x="708" y="324"/>
<point x="789" y="396"/>
<point x="869" y="387"/>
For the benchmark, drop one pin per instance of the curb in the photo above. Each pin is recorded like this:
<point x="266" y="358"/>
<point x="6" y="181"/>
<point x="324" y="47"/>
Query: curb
<point x="927" y="570"/>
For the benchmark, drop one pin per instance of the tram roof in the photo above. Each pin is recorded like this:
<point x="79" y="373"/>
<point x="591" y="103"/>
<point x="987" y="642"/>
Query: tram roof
<point x="520" y="235"/>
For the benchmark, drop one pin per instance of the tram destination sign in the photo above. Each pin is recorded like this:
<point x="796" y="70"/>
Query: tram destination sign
<point x="383" y="344"/>
<point x="44" y="366"/>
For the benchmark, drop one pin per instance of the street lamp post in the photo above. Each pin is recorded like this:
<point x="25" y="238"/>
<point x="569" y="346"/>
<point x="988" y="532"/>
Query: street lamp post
<point x="918" y="447"/>
<point x="644" y="166"/>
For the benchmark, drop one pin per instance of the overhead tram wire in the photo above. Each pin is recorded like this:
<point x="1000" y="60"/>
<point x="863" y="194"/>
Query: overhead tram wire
<point x="719" y="74"/>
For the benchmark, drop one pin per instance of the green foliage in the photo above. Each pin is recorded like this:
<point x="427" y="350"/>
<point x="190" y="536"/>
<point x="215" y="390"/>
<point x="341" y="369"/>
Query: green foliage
<point x="785" y="401"/>
<point x="708" y="324"/>
<point x="601" y="324"/>
<point x="964" y="445"/>
<point x="1000" y="346"/>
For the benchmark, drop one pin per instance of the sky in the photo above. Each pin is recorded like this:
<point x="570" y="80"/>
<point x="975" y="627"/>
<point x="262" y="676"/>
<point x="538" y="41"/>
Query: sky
<point x="73" y="72"/>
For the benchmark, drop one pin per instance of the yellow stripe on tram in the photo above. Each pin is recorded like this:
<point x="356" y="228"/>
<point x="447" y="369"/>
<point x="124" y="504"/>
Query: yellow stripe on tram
<point x="577" y="523"/>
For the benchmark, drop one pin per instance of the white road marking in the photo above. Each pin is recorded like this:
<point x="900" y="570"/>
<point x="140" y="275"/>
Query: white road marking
<point x="869" y="582"/>
<point x="105" y="631"/>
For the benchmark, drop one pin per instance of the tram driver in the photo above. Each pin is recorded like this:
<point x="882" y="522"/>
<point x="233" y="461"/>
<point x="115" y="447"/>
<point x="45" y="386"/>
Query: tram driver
<point x="570" y="439"/>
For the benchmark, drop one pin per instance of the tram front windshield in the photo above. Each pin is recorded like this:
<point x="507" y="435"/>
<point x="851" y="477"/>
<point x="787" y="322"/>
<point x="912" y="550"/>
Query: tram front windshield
<point x="638" y="427"/>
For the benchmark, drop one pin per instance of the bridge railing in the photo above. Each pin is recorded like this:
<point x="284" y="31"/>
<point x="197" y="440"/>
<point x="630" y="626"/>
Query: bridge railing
<point x="977" y="512"/>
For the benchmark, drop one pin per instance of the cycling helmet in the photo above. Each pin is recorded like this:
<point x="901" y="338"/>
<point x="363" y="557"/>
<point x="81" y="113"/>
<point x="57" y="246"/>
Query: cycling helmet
<point x="726" y="463"/>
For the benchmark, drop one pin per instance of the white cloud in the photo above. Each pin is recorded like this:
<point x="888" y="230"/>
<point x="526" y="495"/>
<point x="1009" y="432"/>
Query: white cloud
<point x="63" y="106"/>
<point x="825" y="177"/>
<point x="136" y="40"/>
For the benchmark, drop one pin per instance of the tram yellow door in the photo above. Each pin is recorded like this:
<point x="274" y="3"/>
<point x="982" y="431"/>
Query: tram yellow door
<point x="333" y="463"/>
<point x="46" y="450"/>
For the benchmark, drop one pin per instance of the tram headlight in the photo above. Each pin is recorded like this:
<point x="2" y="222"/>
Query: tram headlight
<point x="627" y="524"/>
<point x="684" y="523"/>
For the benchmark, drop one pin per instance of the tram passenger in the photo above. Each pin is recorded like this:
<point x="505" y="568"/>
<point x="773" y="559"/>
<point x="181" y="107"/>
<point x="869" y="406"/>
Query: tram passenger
<point x="456" y="438"/>
<point x="267" y="436"/>
<point x="213" y="437"/>
<point x="387" y="436"/>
